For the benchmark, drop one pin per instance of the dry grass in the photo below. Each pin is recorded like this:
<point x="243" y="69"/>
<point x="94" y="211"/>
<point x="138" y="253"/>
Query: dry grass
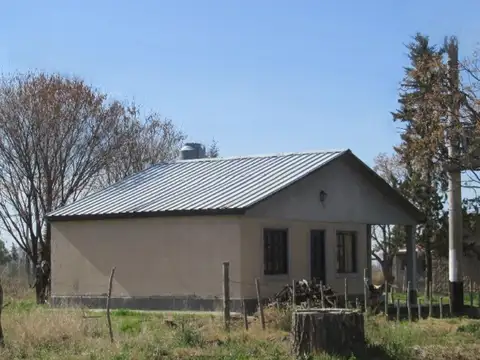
<point x="35" y="332"/>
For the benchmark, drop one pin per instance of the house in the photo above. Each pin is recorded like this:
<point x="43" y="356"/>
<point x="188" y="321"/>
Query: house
<point x="399" y="268"/>
<point x="168" y="229"/>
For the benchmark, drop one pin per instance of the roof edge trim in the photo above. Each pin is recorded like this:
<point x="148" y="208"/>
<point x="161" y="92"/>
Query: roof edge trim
<point x="140" y="215"/>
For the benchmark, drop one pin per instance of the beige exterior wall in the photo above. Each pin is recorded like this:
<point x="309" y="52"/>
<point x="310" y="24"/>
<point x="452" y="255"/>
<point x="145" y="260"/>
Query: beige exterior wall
<point x="299" y="255"/>
<point x="153" y="257"/>
<point x="350" y="198"/>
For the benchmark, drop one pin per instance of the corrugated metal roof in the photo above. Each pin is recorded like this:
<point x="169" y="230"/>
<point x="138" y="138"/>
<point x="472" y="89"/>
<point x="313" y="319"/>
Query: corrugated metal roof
<point x="200" y="185"/>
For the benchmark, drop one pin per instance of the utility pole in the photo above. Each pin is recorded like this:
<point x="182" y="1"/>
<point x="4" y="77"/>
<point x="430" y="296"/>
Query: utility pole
<point x="455" y="222"/>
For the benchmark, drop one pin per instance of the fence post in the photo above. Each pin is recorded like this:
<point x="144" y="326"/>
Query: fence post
<point x="450" y="308"/>
<point x="409" y="305"/>
<point x="471" y="292"/>
<point x="109" y="296"/>
<point x="441" y="307"/>
<point x="346" y="293"/>
<point x="260" y="305"/>
<point x="419" y="304"/>
<point x="294" y="296"/>
<point x="245" y="318"/>
<point x="365" y="290"/>
<point x="386" y="299"/>
<point x="398" y="309"/>
<point x="322" y="298"/>
<point x="430" y="306"/>
<point x="425" y="289"/>
<point x="226" y="294"/>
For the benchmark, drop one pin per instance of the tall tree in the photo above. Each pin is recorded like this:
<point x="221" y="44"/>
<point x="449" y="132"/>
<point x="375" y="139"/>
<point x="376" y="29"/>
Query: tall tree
<point x="59" y="140"/>
<point x="423" y="113"/>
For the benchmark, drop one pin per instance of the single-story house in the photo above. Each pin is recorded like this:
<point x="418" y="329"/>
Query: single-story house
<point x="169" y="228"/>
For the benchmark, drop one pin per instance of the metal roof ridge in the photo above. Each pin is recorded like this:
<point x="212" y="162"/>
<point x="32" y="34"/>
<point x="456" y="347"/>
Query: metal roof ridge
<point x="259" y="156"/>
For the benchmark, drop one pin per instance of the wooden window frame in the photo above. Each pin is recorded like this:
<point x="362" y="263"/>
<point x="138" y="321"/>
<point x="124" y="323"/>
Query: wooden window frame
<point x="275" y="251"/>
<point x="341" y="268"/>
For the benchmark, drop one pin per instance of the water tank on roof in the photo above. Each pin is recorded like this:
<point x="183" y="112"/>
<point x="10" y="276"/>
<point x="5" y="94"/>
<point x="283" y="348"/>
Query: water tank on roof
<point x="192" y="151"/>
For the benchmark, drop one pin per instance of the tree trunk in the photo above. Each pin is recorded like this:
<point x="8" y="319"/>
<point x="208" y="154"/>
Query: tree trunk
<point x="429" y="270"/>
<point x="339" y="332"/>
<point x="45" y="262"/>
<point x="2" y="340"/>
<point x="387" y="265"/>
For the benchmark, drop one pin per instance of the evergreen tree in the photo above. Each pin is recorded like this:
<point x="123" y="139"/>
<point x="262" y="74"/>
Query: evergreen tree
<point x="423" y="113"/>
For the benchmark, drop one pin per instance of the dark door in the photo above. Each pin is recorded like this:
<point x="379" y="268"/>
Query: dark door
<point x="317" y="255"/>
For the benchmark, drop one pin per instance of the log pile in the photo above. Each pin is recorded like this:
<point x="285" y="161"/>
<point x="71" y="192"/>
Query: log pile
<point x="310" y="293"/>
<point x="307" y="292"/>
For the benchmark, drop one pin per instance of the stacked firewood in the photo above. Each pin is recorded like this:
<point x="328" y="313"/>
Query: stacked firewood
<point x="307" y="292"/>
<point x="310" y="293"/>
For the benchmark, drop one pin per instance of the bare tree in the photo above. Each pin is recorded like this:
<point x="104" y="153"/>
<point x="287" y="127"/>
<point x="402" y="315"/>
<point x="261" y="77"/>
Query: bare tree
<point x="388" y="239"/>
<point x="59" y="139"/>
<point x="213" y="150"/>
<point x="146" y="142"/>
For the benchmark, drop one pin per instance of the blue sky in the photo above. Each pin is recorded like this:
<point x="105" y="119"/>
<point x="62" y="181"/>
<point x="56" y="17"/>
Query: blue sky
<point x="258" y="76"/>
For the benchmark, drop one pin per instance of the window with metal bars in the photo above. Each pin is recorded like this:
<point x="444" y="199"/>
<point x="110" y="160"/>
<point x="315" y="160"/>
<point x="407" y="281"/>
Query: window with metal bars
<point x="275" y="251"/>
<point x="346" y="252"/>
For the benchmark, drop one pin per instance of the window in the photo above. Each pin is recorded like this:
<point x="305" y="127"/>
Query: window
<point x="275" y="251"/>
<point x="346" y="252"/>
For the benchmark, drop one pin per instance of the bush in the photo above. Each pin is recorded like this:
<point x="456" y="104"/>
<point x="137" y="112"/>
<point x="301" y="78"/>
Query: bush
<point x="471" y="328"/>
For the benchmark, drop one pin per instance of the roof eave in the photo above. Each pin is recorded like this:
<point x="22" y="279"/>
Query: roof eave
<point x="151" y="214"/>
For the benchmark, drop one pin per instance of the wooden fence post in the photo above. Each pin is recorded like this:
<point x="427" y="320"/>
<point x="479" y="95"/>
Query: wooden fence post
<point x="365" y="289"/>
<point x="441" y="307"/>
<point x="430" y="306"/>
<point x="478" y="294"/>
<point x="426" y="291"/>
<point x="226" y="294"/>
<point x="260" y="305"/>
<point x="322" y="297"/>
<point x="294" y="296"/>
<point x="346" y="293"/>
<point x="450" y="308"/>
<point x="409" y="305"/>
<point x="386" y="299"/>
<point x="419" y="304"/>
<point x="109" y="295"/>
<point x="471" y="293"/>
<point x="398" y="309"/>
<point x="245" y="318"/>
